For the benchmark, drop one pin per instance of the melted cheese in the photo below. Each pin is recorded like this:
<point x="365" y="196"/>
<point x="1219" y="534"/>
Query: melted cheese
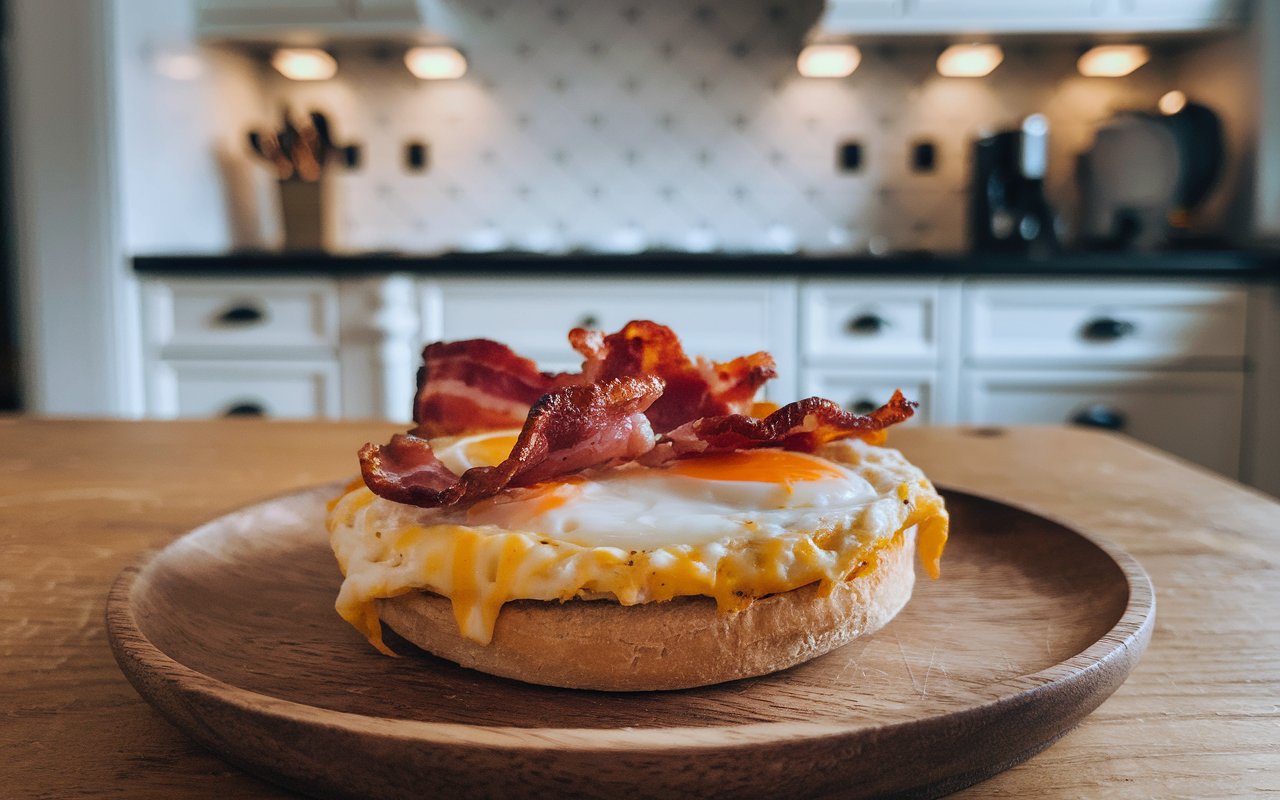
<point x="385" y="549"/>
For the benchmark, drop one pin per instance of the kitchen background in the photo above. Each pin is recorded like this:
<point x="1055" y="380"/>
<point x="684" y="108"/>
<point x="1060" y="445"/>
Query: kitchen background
<point x="603" y="160"/>
<point x="621" y="126"/>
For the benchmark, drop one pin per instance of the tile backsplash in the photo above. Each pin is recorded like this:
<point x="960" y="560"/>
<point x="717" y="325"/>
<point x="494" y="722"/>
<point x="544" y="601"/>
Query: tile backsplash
<point x="619" y="125"/>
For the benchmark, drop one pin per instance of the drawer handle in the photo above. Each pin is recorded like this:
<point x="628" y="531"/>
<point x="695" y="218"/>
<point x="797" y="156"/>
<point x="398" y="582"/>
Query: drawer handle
<point x="1100" y="416"/>
<point x="1106" y="329"/>
<point x="863" y="406"/>
<point x="588" y="321"/>
<point x="242" y="314"/>
<point x="247" y="408"/>
<point x="867" y="324"/>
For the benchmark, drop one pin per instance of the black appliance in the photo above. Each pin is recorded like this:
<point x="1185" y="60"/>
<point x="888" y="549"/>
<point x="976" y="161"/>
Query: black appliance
<point x="1008" y="212"/>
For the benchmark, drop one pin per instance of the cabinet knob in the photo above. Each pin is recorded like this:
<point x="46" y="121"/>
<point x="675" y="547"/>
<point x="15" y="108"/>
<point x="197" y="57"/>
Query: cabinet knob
<point x="589" y="321"/>
<point x="863" y="406"/>
<point x="1107" y="329"/>
<point x="1100" y="416"/>
<point x="242" y="313"/>
<point x="247" y="408"/>
<point x="867" y="324"/>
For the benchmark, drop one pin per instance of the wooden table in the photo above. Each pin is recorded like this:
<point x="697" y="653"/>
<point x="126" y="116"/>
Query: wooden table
<point x="1199" y="717"/>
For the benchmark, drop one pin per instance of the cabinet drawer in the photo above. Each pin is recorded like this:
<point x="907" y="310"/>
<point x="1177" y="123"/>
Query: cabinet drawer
<point x="1195" y="415"/>
<point x="861" y="392"/>
<point x="279" y="389"/>
<point x="870" y="321"/>
<point x="712" y="318"/>
<point x="1105" y="324"/>
<point x="719" y="319"/>
<point x="241" y="314"/>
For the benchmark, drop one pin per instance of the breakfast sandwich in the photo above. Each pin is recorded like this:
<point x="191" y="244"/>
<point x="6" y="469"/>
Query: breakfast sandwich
<point x="642" y="524"/>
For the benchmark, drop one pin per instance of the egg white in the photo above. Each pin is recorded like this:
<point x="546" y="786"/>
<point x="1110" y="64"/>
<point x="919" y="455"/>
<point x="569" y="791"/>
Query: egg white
<point x="639" y="508"/>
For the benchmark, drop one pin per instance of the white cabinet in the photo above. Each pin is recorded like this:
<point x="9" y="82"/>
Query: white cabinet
<point x="236" y="347"/>
<point x="263" y="12"/>
<point x="192" y="314"/>
<point x="280" y="19"/>
<point x="253" y="388"/>
<point x="1195" y="415"/>
<point x="927" y="17"/>
<point x="1118" y="323"/>
<point x="1185" y="366"/>
<point x="718" y="318"/>
<point x="871" y="321"/>
<point x="1162" y="362"/>
<point x="861" y="339"/>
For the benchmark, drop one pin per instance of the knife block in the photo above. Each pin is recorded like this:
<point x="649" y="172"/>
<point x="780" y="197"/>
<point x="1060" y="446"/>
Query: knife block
<point x="302" y="212"/>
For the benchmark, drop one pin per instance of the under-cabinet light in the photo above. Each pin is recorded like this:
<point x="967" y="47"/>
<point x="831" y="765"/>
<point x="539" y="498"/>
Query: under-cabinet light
<point x="828" y="60"/>
<point x="1112" y="60"/>
<point x="969" y="60"/>
<point x="435" y="63"/>
<point x="304" y="64"/>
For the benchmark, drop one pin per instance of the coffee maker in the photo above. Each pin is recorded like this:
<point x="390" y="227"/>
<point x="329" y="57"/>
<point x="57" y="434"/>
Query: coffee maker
<point x="1008" y="212"/>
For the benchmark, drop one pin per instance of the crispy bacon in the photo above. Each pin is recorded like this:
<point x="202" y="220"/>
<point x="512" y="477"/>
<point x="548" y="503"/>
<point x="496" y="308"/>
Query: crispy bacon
<point x="634" y="382"/>
<point x="804" y="425"/>
<point x="475" y="385"/>
<point x="567" y="430"/>
<point x="694" y="389"/>
<point x="479" y="384"/>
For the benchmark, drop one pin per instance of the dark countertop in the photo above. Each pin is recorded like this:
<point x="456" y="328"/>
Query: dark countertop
<point x="1227" y="264"/>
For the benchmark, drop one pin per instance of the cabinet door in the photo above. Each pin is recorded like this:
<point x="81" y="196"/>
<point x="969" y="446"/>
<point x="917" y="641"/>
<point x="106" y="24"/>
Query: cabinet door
<point x="998" y="13"/>
<point x="247" y="315"/>
<point x="386" y="9"/>
<point x="863" y="391"/>
<point x="1181" y="14"/>
<point x="850" y="14"/>
<point x="1073" y="323"/>
<point x="861" y="322"/>
<point x="258" y="12"/>
<point x="277" y="389"/>
<point x="1025" y="16"/>
<point x="1195" y="415"/>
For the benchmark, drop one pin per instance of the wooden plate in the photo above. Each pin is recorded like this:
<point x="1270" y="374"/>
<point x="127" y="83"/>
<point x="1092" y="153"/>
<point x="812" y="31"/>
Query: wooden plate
<point x="230" y="632"/>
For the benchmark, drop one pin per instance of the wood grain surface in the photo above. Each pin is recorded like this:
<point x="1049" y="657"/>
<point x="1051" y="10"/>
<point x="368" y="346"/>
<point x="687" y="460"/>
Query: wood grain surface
<point x="1197" y="718"/>
<point x="232" y="634"/>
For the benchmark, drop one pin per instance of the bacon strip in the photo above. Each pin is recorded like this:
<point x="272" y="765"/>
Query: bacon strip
<point x="567" y="430"/>
<point x="475" y="385"/>
<point x="479" y="384"/>
<point x="804" y="425"/>
<point x="694" y="390"/>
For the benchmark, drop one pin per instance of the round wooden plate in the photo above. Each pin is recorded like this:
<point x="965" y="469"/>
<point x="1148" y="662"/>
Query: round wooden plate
<point x="231" y="633"/>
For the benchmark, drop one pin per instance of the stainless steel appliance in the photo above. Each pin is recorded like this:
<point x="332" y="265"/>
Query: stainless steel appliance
<point x="1144" y="176"/>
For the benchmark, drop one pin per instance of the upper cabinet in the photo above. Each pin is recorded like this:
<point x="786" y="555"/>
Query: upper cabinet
<point x="282" y="19"/>
<point x="931" y="17"/>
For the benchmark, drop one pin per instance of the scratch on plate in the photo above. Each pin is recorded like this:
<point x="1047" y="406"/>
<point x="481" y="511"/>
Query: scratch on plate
<point x="907" y="664"/>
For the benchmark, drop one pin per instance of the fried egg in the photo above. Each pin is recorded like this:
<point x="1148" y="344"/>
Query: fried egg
<point x="692" y="501"/>
<point x="733" y="526"/>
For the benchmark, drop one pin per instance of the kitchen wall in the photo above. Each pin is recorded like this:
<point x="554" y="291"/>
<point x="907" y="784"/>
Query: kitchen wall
<point x="618" y="125"/>
<point x="184" y="183"/>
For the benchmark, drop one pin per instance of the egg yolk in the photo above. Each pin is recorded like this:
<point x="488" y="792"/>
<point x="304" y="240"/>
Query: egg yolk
<point x="490" y="451"/>
<point x="753" y="466"/>
<point x="756" y="466"/>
